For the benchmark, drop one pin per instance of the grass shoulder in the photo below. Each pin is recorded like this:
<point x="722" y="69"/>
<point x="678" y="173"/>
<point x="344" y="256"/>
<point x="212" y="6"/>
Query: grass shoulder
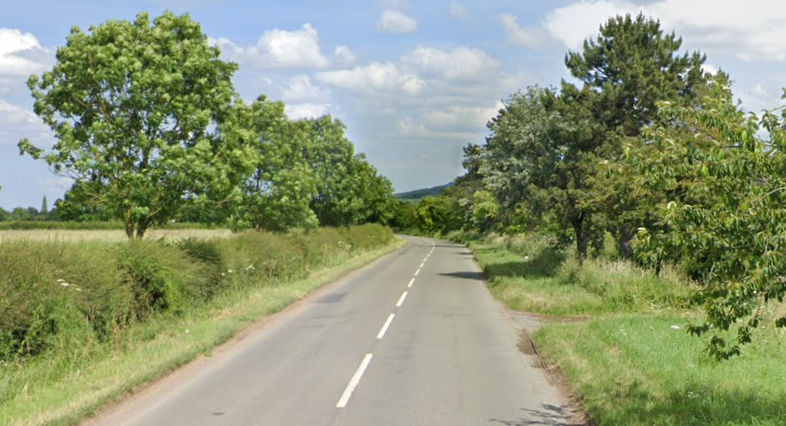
<point x="626" y="354"/>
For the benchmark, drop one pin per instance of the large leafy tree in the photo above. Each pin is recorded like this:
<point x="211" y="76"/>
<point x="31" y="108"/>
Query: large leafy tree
<point x="277" y="194"/>
<point x="349" y="189"/>
<point x="723" y="211"/>
<point x="632" y="65"/>
<point x="134" y="108"/>
<point x="543" y="152"/>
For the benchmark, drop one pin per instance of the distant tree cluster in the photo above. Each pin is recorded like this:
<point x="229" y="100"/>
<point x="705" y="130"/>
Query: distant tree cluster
<point x="150" y="128"/>
<point x="651" y="150"/>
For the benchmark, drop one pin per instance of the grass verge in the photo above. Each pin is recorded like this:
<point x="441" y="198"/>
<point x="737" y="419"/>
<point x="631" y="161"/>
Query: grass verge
<point x="628" y="358"/>
<point x="62" y="390"/>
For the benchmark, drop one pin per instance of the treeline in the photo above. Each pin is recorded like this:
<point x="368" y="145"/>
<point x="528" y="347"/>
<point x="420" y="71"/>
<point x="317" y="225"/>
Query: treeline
<point x="149" y="126"/>
<point x="649" y="153"/>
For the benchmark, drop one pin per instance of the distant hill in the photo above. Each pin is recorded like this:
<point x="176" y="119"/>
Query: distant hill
<point x="422" y="193"/>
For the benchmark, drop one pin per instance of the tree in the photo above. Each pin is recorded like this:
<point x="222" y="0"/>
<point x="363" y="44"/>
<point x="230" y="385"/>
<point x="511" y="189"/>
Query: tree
<point x="724" y="213"/>
<point x="632" y="65"/>
<point x="44" y="207"/>
<point x="349" y="190"/>
<point x="438" y="215"/>
<point x="277" y="194"/>
<point x="134" y="108"/>
<point x="543" y="151"/>
<point x="82" y="204"/>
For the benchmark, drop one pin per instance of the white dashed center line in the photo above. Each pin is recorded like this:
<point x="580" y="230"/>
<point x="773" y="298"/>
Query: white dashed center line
<point x="353" y="383"/>
<point x="401" y="300"/>
<point x="384" y="328"/>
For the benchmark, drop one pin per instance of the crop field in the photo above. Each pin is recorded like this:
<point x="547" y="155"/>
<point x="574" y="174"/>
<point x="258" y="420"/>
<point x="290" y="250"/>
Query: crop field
<point x="63" y="235"/>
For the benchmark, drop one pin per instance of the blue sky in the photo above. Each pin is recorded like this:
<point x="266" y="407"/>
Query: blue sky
<point x="413" y="80"/>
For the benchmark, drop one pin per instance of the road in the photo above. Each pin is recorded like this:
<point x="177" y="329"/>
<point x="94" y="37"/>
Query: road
<point x="413" y="339"/>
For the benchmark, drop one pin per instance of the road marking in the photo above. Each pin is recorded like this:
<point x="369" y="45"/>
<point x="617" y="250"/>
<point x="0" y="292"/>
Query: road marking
<point x="353" y="383"/>
<point x="384" y="329"/>
<point x="412" y="281"/>
<point x="424" y="262"/>
<point x="401" y="300"/>
<point x="417" y="272"/>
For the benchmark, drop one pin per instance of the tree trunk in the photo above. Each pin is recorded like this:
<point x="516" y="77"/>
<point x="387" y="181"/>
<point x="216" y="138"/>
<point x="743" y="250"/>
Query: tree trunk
<point x="582" y="239"/>
<point x="623" y="242"/>
<point x="128" y="219"/>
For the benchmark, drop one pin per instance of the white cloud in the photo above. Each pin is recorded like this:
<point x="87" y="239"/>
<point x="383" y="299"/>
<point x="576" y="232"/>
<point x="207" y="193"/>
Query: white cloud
<point x="572" y="24"/>
<point x="20" y="53"/>
<point x="17" y="123"/>
<point x="460" y="118"/>
<point x="394" y="21"/>
<point x="300" y="89"/>
<point x="343" y="56"/>
<point x="757" y="97"/>
<point x="751" y="30"/>
<point x="458" y="10"/>
<point x="709" y="68"/>
<point x="516" y="34"/>
<point x="306" y="110"/>
<point x="279" y="49"/>
<point x="461" y="63"/>
<point x="375" y="78"/>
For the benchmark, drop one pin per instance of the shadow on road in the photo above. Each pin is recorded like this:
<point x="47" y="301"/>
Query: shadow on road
<point x="468" y="275"/>
<point x="548" y="415"/>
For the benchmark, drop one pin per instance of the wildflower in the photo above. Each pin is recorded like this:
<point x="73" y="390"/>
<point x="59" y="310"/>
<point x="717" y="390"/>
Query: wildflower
<point x="230" y="271"/>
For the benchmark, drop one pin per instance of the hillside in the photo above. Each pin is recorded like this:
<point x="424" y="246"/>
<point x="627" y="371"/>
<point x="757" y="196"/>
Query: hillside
<point x="422" y="193"/>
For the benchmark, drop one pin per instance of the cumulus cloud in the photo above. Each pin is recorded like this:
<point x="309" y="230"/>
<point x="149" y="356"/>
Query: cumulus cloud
<point x="375" y="78"/>
<point x="21" y="55"/>
<point x="394" y="21"/>
<point x="279" y="49"/>
<point x="516" y="34"/>
<point x="461" y="63"/>
<point x="17" y="123"/>
<point x="460" y="117"/>
<point x="300" y="88"/>
<point x="306" y="110"/>
<point x="343" y="56"/>
<point x="751" y="30"/>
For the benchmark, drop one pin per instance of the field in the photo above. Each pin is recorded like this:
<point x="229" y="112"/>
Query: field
<point x="617" y="336"/>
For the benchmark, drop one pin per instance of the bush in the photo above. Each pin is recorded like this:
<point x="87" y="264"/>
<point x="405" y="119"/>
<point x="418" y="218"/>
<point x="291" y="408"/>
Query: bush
<point x="56" y="293"/>
<point x="65" y="296"/>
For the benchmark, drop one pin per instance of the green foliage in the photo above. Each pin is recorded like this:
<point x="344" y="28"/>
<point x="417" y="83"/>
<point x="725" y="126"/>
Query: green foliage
<point x="438" y="215"/>
<point x="632" y="65"/>
<point x="133" y="107"/>
<point x="277" y="194"/>
<point x="349" y="189"/>
<point x="724" y="210"/>
<point x="71" y="297"/>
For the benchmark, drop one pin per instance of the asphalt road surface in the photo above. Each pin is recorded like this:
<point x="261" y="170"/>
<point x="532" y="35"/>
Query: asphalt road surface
<point x="413" y="339"/>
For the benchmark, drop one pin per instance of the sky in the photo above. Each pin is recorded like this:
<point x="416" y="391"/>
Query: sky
<point x="414" y="81"/>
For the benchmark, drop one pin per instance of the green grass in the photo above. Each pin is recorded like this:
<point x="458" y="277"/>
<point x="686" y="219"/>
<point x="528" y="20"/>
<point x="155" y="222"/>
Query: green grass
<point x="640" y="371"/>
<point x="61" y="387"/>
<point x="626" y="355"/>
